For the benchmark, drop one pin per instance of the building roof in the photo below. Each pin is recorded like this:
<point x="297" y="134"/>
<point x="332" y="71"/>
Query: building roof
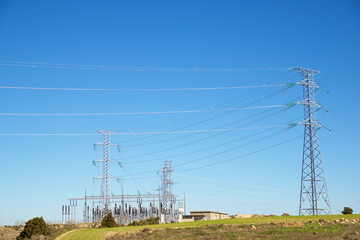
<point x="191" y="212"/>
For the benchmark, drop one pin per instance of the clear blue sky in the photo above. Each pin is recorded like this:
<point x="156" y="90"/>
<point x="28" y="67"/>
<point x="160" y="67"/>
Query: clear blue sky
<point x="38" y="173"/>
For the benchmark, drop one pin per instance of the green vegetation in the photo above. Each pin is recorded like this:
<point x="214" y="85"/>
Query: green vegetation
<point x="264" y="231"/>
<point x="310" y="227"/>
<point x="347" y="210"/>
<point x="149" y="221"/>
<point x="108" y="221"/>
<point x="35" y="226"/>
<point x="219" y="224"/>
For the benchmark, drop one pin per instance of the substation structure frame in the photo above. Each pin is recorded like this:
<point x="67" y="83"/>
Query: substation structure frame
<point x="125" y="209"/>
<point x="167" y="197"/>
<point x="314" y="198"/>
<point x="106" y="160"/>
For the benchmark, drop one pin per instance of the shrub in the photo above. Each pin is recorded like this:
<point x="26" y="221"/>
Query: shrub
<point x="108" y="221"/>
<point x="33" y="227"/>
<point x="347" y="210"/>
<point x="149" y="221"/>
<point x="146" y="229"/>
<point x="152" y="220"/>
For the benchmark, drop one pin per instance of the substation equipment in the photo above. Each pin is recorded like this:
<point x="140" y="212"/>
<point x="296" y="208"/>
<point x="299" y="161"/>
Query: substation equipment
<point x="126" y="208"/>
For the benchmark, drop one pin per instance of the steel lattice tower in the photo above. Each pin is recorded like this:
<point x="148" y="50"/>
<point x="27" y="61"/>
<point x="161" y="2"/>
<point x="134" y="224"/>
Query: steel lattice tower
<point x="314" y="199"/>
<point x="105" y="177"/>
<point x="166" y="190"/>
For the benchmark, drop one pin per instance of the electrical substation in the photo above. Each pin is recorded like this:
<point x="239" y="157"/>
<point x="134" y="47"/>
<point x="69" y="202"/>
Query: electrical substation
<point x="164" y="204"/>
<point x="126" y="208"/>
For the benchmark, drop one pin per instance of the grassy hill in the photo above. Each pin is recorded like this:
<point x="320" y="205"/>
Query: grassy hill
<point x="174" y="229"/>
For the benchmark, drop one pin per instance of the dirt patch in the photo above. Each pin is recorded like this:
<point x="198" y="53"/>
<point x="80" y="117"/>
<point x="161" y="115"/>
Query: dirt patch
<point x="10" y="232"/>
<point x="109" y="235"/>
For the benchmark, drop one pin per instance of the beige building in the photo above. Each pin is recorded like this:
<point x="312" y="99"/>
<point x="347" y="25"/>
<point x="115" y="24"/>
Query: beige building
<point x="203" y="215"/>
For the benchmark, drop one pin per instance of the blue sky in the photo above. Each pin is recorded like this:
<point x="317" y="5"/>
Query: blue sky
<point x="38" y="173"/>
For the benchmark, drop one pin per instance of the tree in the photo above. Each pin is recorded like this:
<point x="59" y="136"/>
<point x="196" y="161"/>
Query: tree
<point x="33" y="227"/>
<point x="108" y="221"/>
<point x="347" y="210"/>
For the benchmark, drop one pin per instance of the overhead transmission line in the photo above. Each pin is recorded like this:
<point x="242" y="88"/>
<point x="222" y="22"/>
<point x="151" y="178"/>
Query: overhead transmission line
<point x="201" y="139"/>
<point x="226" y="103"/>
<point x="223" y="104"/>
<point x="136" y="113"/>
<point x="141" y="89"/>
<point x="223" y="125"/>
<point x="185" y="144"/>
<point x="222" y="161"/>
<point x="228" y="150"/>
<point x="211" y="154"/>
<point x="127" y="68"/>
<point x="196" y="141"/>
<point x="211" y="147"/>
<point x="232" y="183"/>
<point x="202" y="121"/>
<point x="140" y="133"/>
<point x="244" y="155"/>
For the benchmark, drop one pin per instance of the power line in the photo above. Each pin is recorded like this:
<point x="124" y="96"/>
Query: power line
<point x="136" y="113"/>
<point x="223" y="161"/>
<point x="223" y="125"/>
<point x="202" y="121"/>
<point x="141" y="89"/>
<point x="228" y="150"/>
<point x="233" y="183"/>
<point x="202" y="139"/>
<point x="345" y="120"/>
<point x="193" y="142"/>
<point x="214" y="146"/>
<point x="223" y="104"/>
<point x="242" y="156"/>
<point x="127" y="68"/>
<point x="143" y="133"/>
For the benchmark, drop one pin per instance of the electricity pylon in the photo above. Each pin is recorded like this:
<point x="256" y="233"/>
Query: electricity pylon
<point x="166" y="191"/>
<point x="105" y="177"/>
<point x="314" y="199"/>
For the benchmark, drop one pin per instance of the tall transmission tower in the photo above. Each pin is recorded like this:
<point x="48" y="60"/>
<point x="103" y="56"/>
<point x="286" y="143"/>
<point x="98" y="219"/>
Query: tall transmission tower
<point x="166" y="191"/>
<point x="105" y="177"/>
<point x="314" y="199"/>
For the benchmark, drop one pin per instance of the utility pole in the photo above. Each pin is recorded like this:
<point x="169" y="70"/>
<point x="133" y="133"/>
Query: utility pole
<point x="314" y="199"/>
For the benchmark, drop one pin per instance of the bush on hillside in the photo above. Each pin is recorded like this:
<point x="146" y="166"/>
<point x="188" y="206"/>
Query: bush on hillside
<point x="347" y="210"/>
<point x="35" y="226"/>
<point x="149" y="221"/>
<point x="108" y="221"/>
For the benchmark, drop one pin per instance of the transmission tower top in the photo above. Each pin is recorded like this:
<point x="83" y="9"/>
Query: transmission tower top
<point x="306" y="71"/>
<point x="106" y="132"/>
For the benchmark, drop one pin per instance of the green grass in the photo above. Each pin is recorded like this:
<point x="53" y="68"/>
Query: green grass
<point x="311" y="227"/>
<point x="83" y="234"/>
<point x="99" y="234"/>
